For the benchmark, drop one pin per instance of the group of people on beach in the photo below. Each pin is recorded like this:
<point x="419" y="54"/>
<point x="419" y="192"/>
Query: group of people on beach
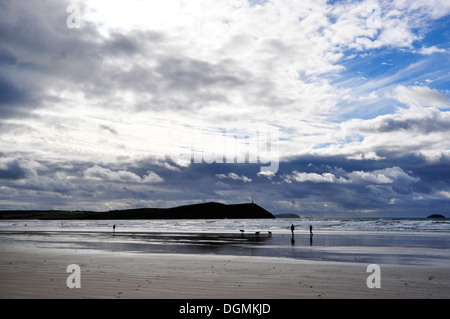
<point x="310" y="234"/>
<point x="292" y="230"/>
<point x="310" y="230"/>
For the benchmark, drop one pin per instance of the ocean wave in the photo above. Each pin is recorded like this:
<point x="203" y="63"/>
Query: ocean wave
<point x="249" y="225"/>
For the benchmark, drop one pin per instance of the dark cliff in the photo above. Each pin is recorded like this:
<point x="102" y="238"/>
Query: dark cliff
<point x="196" y="211"/>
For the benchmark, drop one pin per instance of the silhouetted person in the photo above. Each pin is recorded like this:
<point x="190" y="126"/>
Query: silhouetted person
<point x="114" y="228"/>
<point x="292" y="229"/>
<point x="310" y="231"/>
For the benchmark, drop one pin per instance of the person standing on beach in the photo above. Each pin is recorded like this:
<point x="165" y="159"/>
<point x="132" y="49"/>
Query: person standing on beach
<point x="310" y="231"/>
<point x="114" y="228"/>
<point x="292" y="229"/>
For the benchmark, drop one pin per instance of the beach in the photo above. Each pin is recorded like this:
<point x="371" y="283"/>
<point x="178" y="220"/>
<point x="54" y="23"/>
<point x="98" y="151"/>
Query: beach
<point x="237" y="266"/>
<point x="245" y="149"/>
<point x="26" y="274"/>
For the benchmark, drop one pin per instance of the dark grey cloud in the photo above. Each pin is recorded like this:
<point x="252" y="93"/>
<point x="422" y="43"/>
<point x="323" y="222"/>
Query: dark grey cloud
<point x="11" y="95"/>
<point x="135" y="43"/>
<point x="108" y="128"/>
<point x="6" y="58"/>
<point x="188" y="74"/>
<point x="36" y="50"/>
<point x="415" y="189"/>
<point x="12" y="170"/>
<point x="19" y="168"/>
<point x="417" y="120"/>
<point x="424" y="125"/>
<point x="40" y="55"/>
<point x="40" y="58"/>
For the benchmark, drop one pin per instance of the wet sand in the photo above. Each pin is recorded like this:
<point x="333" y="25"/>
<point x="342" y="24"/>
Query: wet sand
<point x="36" y="269"/>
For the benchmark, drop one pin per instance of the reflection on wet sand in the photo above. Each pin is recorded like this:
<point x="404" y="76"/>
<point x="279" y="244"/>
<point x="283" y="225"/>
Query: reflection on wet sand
<point x="355" y="247"/>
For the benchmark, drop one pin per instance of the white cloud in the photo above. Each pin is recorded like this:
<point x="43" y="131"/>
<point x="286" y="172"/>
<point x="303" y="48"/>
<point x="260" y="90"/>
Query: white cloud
<point x="313" y="177"/>
<point x="267" y="174"/>
<point x="371" y="177"/>
<point x="152" y="177"/>
<point x="434" y="8"/>
<point x="416" y="130"/>
<point x="125" y="88"/>
<point x="431" y="50"/>
<point x="153" y="65"/>
<point x="420" y="95"/>
<point x="384" y="176"/>
<point x="444" y="194"/>
<point x="235" y="177"/>
<point x="365" y="156"/>
<point x="410" y="121"/>
<point x="99" y="173"/>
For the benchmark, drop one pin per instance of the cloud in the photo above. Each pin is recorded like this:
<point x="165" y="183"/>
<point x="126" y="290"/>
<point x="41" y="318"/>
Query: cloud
<point x="365" y="156"/>
<point x="19" y="168"/>
<point x="222" y="186"/>
<point x="431" y="50"/>
<point x="235" y="177"/>
<point x="384" y="176"/>
<point x="135" y="68"/>
<point x="306" y="182"/>
<point x="366" y="25"/>
<point x="265" y="173"/>
<point x="444" y="194"/>
<point x="312" y="177"/>
<point x="91" y="115"/>
<point x="166" y="166"/>
<point x="120" y="61"/>
<point x="420" y="95"/>
<point x="152" y="177"/>
<point x="108" y="128"/>
<point x="100" y="173"/>
<point x="97" y="172"/>
<point x="416" y="119"/>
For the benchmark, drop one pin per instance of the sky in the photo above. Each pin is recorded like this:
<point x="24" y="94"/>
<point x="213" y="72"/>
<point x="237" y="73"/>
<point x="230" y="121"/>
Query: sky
<point x="317" y="108"/>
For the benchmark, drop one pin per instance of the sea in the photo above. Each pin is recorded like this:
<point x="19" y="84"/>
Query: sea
<point x="399" y="241"/>
<point x="277" y="225"/>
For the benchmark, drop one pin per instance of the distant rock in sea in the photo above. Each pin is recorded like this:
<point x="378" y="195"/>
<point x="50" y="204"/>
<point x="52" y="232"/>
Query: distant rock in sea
<point x="436" y="216"/>
<point x="286" y="216"/>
